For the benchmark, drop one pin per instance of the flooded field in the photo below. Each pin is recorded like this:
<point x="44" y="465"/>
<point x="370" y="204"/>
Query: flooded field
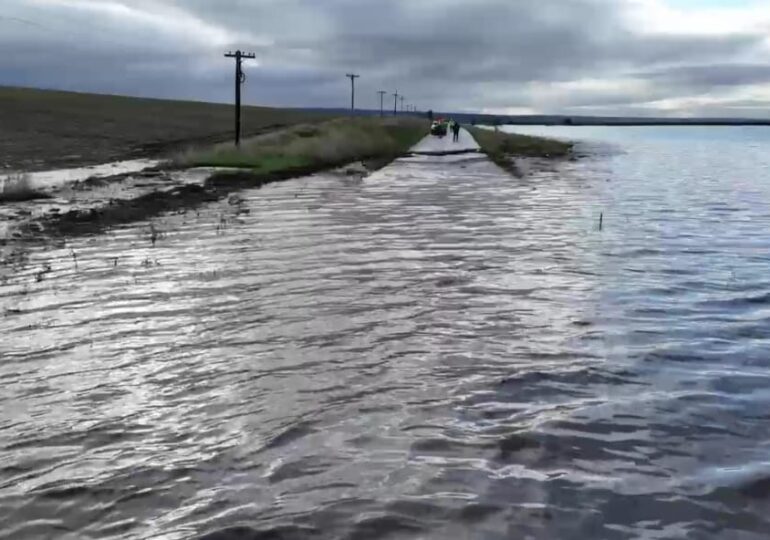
<point x="61" y="177"/>
<point x="437" y="351"/>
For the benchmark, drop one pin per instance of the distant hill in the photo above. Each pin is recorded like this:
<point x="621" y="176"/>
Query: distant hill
<point x="492" y="119"/>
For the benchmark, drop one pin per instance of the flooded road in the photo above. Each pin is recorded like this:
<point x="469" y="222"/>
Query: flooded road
<point x="465" y="143"/>
<point x="437" y="351"/>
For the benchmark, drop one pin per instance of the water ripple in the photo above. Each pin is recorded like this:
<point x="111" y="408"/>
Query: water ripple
<point x="439" y="351"/>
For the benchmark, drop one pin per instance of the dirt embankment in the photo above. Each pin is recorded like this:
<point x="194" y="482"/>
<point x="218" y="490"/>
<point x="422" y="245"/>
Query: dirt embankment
<point x="43" y="129"/>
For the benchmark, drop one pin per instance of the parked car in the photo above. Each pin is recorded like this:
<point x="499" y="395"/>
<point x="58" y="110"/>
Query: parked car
<point x="438" y="128"/>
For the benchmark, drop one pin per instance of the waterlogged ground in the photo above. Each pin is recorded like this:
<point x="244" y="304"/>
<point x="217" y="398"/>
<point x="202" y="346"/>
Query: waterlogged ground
<point x="438" y="351"/>
<point x="77" y="192"/>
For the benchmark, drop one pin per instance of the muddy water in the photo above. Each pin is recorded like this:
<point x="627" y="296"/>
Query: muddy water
<point x="438" y="351"/>
<point x="61" y="186"/>
<point x="61" y="177"/>
<point x="94" y="192"/>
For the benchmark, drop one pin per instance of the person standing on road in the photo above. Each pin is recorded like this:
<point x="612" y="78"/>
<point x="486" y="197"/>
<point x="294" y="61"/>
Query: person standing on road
<point x="455" y="131"/>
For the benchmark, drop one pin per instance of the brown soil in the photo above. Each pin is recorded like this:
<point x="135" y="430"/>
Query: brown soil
<point x="42" y="129"/>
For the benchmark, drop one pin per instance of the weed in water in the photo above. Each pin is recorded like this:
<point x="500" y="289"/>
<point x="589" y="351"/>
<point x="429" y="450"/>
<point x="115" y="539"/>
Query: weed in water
<point x="40" y="276"/>
<point x="18" y="188"/>
<point x="222" y="223"/>
<point x="42" y="273"/>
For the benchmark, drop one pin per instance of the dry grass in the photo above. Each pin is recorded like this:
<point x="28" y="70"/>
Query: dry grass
<point x="330" y="143"/>
<point x="17" y="187"/>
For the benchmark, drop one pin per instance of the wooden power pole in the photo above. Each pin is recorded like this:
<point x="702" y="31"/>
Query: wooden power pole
<point x="240" y="78"/>
<point x="382" y="102"/>
<point x="352" y="77"/>
<point x="395" y="103"/>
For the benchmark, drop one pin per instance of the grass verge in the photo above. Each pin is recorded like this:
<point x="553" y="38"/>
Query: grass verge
<point x="502" y="147"/>
<point x="315" y="146"/>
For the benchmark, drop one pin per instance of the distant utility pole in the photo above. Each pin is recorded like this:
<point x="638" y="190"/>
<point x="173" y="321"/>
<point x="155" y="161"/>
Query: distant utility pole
<point x="382" y="102"/>
<point x="402" y="98"/>
<point x="395" y="104"/>
<point x="352" y="77"/>
<point x="240" y="78"/>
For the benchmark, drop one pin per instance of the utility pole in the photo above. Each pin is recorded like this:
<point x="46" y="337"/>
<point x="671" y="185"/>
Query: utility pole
<point x="352" y="77"/>
<point x="240" y="78"/>
<point x="395" y="104"/>
<point x="402" y="98"/>
<point x="382" y="102"/>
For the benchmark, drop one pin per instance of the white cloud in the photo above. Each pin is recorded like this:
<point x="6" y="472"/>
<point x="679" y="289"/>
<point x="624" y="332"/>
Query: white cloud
<point x="661" y="17"/>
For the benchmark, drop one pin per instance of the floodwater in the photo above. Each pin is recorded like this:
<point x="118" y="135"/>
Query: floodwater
<point x="438" y="351"/>
<point x="61" y="177"/>
<point x="79" y="191"/>
<point x="447" y="145"/>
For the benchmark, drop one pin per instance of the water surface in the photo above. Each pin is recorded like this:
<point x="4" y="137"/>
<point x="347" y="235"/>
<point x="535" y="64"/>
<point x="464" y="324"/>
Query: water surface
<point x="61" y="177"/>
<point x="437" y="351"/>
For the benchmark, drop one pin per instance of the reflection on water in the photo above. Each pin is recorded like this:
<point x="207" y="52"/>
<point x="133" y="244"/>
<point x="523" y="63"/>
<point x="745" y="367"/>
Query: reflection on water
<point x="438" y="351"/>
<point x="58" y="178"/>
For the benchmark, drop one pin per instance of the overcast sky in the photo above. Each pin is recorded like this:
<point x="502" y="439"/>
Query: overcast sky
<point x="608" y="57"/>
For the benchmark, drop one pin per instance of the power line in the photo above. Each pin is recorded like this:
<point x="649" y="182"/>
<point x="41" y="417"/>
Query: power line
<point x="352" y="77"/>
<point x="240" y="78"/>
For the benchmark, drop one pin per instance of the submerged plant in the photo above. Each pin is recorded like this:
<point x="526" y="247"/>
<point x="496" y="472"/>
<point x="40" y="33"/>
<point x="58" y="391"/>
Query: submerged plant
<point x="18" y="187"/>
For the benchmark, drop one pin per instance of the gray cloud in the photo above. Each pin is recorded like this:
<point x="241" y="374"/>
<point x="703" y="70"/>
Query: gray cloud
<point x="708" y="77"/>
<point x="443" y="54"/>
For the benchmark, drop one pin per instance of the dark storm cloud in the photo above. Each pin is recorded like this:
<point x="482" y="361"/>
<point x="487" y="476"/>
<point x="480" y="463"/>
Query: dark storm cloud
<point x="458" y="54"/>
